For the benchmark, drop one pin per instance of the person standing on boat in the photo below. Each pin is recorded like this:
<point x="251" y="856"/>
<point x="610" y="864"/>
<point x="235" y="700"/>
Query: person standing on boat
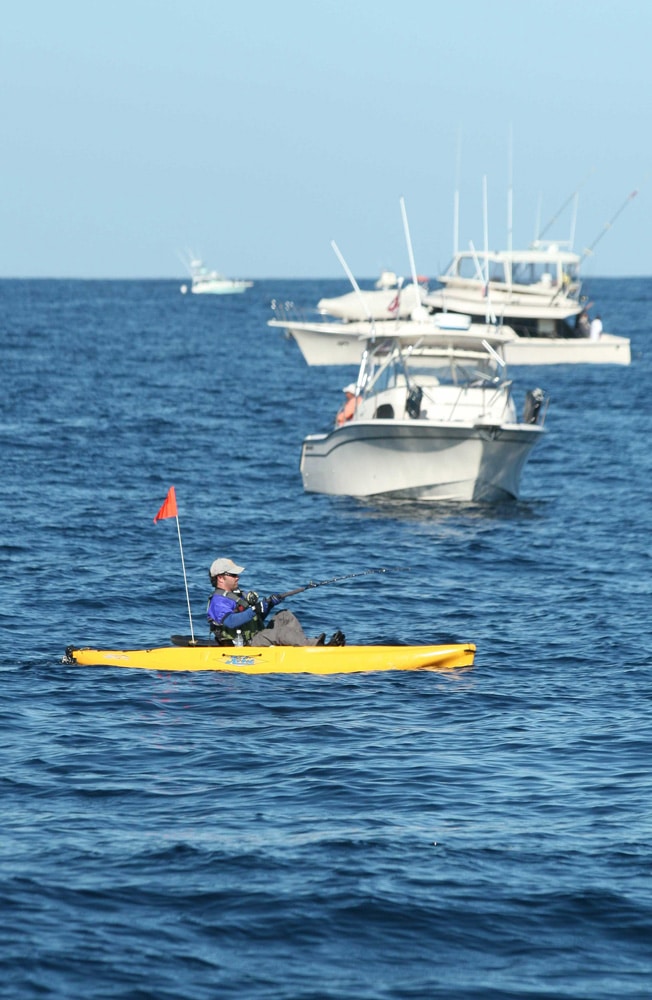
<point x="348" y="408"/>
<point x="231" y="612"/>
<point x="582" y="324"/>
<point x="595" y="331"/>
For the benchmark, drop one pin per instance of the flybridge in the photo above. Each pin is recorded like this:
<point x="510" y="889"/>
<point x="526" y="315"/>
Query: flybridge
<point x="548" y="267"/>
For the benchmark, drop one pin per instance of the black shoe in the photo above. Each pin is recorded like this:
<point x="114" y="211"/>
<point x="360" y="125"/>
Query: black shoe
<point x="337" y="639"/>
<point x="321" y="639"/>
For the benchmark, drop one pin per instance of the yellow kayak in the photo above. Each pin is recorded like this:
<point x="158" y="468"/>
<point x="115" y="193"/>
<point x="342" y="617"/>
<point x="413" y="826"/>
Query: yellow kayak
<point x="280" y="659"/>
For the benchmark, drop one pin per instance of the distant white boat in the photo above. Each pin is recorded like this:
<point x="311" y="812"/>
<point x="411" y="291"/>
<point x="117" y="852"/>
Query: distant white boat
<point x="205" y="282"/>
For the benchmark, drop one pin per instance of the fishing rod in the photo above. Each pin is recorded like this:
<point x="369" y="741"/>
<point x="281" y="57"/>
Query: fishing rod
<point x="609" y="224"/>
<point x="574" y="194"/>
<point x="336" y="579"/>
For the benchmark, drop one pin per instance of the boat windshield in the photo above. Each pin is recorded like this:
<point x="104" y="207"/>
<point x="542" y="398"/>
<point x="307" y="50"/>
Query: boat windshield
<point x="535" y="273"/>
<point x="458" y="368"/>
<point x="470" y="267"/>
<point x="443" y="367"/>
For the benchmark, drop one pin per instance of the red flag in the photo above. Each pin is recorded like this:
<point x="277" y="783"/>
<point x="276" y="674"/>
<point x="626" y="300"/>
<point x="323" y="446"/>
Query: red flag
<point x="169" y="508"/>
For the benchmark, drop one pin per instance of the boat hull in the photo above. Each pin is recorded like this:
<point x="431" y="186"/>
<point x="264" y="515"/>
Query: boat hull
<point x="608" y="350"/>
<point x="340" y="343"/>
<point x="344" y="343"/>
<point x="419" y="460"/>
<point x="281" y="659"/>
<point x="221" y="288"/>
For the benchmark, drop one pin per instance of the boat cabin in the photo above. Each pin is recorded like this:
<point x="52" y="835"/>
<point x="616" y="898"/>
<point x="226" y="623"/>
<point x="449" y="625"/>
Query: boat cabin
<point x="540" y="269"/>
<point x="425" y="383"/>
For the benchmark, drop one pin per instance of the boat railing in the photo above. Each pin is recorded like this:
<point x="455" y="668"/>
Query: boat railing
<point x="287" y="311"/>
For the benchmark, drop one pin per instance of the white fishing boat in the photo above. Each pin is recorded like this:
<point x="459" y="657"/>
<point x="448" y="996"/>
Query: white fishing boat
<point x="537" y="292"/>
<point x="324" y="342"/>
<point x="432" y="423"/>
<point x="205" y="282"/>
<point x="537" y="320"/>
<point x="530" y="299"/>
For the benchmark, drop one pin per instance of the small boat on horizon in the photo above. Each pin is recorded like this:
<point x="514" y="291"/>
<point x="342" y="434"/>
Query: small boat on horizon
<point x="205" y="282"/>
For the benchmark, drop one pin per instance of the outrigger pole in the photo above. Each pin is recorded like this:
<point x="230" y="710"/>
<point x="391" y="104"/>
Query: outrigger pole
<point x="541" y="233"/>
<point x="356" y="286"/>
<point x="365" y="307"/>
<point x="608" y="225"/>
<point x="418" y="308"/>
<point x="169" y="509"/>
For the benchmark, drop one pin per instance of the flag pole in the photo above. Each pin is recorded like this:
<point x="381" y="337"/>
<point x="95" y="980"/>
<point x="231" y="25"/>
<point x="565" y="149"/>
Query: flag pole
<point x="169" y="509"/>
<point x="185" y="580"/>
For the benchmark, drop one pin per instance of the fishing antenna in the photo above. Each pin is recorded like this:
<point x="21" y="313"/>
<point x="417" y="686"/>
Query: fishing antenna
<point x="589" y="250"/>
<point x="574" y="194"/>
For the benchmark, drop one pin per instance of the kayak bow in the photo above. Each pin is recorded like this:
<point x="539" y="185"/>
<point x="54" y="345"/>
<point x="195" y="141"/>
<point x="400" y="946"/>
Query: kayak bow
<point x="280" y="659"/>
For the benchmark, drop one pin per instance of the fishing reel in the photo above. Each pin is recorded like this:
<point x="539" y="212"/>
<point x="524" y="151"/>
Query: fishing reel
<point x="251" y="597"/>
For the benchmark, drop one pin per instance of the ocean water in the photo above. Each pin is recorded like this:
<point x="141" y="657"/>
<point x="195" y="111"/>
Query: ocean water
<point x="485" y="833"/>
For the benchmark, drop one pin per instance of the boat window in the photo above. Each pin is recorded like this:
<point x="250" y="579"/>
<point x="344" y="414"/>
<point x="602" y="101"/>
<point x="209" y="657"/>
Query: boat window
<point x="385" y="378"/>
<point x="467" y="268"/>
<point x="471" y="267"/>
<point x="476" y="369"/>
<point x="533" y="273"/>
<point x="570" y="274"/>
<point x="496" y="271"/>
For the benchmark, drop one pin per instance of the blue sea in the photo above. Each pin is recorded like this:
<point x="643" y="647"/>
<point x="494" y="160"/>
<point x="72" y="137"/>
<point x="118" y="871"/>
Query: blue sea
<point x="483" y="833"/>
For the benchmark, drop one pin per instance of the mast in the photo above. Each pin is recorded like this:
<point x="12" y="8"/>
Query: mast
<point x="456" y="199"/>
<point x="510" y="193"/>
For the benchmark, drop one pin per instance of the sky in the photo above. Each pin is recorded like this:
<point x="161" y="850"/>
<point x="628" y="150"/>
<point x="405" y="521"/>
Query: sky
<point x="254" y="134"/>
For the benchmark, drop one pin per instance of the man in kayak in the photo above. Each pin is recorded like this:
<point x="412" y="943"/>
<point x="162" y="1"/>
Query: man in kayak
<point x="232" y="614"/>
